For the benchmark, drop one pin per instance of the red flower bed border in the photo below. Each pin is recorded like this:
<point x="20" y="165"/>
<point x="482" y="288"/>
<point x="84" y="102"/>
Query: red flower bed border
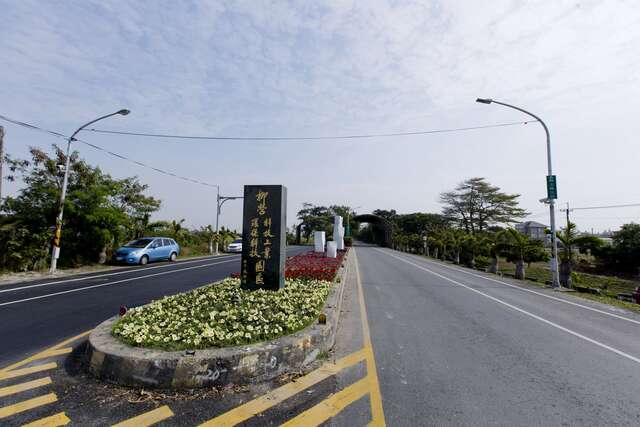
<point x="311" y="265"/>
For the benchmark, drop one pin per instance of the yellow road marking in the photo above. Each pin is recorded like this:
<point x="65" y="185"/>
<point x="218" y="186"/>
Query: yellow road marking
<point x="377" y="413"/>
<point x="59" y="419"/>
<point x="45" y="353"/>
<point x="148" y="418"/>
<point x="7" y="391"/>
<point x="26" y="371"/>
<point x="274" y="397"/>
<point x="7" y="411"/>
<point x="331" y="406"/>
<point x="56" y="352"/>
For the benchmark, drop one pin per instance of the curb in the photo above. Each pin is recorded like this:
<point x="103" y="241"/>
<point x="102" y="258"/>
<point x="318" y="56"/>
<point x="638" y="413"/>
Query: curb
<point x="113" y="361"/>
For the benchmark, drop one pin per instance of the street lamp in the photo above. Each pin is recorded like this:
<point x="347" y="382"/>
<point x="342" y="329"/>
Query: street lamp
<point x="219" y="202"/>
<point x="555" y="280"/>
<point x="55" y="252"/>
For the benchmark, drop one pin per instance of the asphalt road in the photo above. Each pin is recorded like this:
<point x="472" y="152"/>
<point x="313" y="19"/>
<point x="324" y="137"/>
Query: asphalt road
<point x="458" y="347"/>
<point x="34" y="315"/>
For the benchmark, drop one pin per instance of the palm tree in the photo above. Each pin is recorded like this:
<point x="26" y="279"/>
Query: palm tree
<point x="437" y="239"/>
<point x="517" y="244"/>
<point x="569" y="238"/>
<point x="456" y="239"/>
<point x="176" y="227"/>
<point x="477" y="244"/>
<point x="223" y="236"/>
<point x="494" y="243"/>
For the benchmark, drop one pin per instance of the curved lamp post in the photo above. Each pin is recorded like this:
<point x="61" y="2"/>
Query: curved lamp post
<point x="219" y="202"/>
<point x="551" y="199"/>
<point x="55" y="253"/>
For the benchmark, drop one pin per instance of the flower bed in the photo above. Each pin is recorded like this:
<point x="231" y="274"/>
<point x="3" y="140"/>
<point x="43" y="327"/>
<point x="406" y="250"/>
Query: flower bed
<point x="223" y="314"/>
<point x="312" y="265"/>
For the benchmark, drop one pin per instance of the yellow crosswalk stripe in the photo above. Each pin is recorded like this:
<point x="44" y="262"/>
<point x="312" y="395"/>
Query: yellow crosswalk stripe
<point x="7" y="411"/>
<point x="274" y="397"/>
<point x="12" y="389"/>
<point x="148" y="418"/>
<point x="59" y="419"/>
<point x="54" y="352"/>
<point x="26" y="371"/>
<point x="331" y="406"/>
<point x="40" y="355"/>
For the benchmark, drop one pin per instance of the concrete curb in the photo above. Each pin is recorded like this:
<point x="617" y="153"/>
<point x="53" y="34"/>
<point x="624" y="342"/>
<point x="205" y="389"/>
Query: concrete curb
<point x="113" y="361"/>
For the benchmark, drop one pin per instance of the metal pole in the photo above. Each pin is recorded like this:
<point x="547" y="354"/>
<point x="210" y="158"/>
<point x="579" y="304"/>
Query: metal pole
<point x="55" y="251"/>
<point x="555" y="278"/>
<point x="217" y="219"/>
<point x="1" y="158"/>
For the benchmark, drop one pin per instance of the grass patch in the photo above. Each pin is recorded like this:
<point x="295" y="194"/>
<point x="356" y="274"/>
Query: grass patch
<point x="222" y="314"/>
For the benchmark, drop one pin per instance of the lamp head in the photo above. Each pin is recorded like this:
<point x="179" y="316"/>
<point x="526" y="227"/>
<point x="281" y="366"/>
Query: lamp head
<point x="124" y="112"/>
<point x="484" y="100"/>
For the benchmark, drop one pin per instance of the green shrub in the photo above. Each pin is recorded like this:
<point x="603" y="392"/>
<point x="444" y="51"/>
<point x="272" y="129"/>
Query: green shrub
<point x="483" y="262"/>
<point x="348" y="241"/>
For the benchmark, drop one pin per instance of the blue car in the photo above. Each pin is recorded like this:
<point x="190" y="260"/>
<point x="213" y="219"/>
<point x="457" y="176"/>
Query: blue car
<point x="147" y="249"/>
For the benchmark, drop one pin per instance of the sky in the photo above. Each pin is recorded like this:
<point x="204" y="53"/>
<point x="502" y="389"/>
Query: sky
<point x="258" y="68"/>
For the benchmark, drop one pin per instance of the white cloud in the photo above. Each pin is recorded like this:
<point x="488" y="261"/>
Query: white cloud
<point x="339" y="67"/>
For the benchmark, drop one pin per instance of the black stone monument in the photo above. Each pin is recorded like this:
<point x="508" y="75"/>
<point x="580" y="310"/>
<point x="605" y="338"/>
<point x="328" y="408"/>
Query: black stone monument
<point x="264" y="227"/>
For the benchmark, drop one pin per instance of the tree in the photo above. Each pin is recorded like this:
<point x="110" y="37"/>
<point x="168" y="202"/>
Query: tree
<point x="519" y="249"/>
<point x="625" y="253"/>
<point x="314" y="218"/>
<point x="476" y="205"/>
<point x="100" y="211"/>
<point x="388" y="215"/>
<point x="419" y="222"/>
<point x="570" y="239"/>
<point x="456" y="240"/>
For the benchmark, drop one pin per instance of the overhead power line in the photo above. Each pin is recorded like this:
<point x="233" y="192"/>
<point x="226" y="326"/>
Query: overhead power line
<point x="630" y="205"/>
<point x="114" y="154"/>
<point x="306" y="138"/>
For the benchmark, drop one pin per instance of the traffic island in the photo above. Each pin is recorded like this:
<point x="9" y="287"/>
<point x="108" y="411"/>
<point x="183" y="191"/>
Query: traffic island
<point x="110" y="359"/>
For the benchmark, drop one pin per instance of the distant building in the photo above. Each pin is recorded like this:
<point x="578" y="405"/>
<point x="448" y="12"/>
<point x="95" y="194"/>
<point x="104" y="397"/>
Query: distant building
<point x="533" y="229"/>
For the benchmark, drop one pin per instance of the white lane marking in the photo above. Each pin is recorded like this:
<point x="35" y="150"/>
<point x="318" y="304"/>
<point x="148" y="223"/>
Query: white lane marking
<point x="586" y="307"/>
<point x="499" y="301"/>
<point x="113" y="283"/>
<point x="109" y="274"/>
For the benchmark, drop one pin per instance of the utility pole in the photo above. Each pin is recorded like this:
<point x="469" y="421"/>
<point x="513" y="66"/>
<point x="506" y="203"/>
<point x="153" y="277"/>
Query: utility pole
<point x="551" y="190"/>
<point x="55" y="250"/>
<point x="219" y="202"/>
<point x="1" y="158"/>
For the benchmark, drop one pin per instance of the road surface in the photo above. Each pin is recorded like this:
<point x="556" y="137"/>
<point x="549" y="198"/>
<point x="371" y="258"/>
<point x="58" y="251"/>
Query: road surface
<point x="33" y="315"/>
<point x="458" y="347"/>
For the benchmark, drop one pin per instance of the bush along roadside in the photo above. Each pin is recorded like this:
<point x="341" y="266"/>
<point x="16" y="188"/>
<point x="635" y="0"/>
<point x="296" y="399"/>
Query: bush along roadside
<point x="222" y="314"/>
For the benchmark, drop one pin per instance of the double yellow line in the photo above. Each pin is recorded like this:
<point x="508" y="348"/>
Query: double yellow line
<point x="332" y="405"/>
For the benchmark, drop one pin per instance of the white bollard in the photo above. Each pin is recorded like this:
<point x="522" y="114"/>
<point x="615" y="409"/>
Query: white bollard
<point x="318" y="241"/>
<point x="332" y="250"/>
<point x="338" y="232"/>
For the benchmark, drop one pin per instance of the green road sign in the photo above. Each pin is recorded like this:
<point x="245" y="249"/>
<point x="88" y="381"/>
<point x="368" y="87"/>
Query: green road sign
<point x="552" y="188"/>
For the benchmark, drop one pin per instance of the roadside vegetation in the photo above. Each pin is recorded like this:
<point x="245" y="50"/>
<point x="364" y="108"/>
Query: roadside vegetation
<point x="101" y="213"/>
<point x="475" y="229"/>
<point x="222" y="314"/>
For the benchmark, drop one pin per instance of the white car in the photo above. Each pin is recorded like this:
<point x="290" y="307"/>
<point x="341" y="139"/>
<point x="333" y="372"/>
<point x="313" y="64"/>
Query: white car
<point x="235" y="246"/>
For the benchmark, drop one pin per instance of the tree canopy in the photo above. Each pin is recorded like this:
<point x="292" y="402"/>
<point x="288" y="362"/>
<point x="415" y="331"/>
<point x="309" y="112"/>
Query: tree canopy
<point x="477" y="205"/>
<point x="100" y="211"/>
